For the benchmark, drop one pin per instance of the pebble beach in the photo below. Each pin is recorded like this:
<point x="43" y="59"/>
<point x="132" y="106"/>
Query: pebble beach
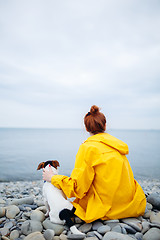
<point x="22" y="216"/>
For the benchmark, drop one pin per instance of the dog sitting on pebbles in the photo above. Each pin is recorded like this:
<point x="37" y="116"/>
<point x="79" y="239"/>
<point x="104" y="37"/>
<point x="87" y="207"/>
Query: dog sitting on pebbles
<point x="59" y="209"/>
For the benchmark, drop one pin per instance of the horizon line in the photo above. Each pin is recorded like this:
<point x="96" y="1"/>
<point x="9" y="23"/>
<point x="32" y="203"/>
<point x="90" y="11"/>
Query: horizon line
<point x="69" y="128"/>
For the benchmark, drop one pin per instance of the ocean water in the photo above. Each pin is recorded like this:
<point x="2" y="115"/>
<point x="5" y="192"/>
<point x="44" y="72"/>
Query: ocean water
<point x="21" y="150"/>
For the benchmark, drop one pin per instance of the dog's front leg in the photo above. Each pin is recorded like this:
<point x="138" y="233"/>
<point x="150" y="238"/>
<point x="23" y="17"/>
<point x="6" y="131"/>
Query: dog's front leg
<point x="47" y="208"/>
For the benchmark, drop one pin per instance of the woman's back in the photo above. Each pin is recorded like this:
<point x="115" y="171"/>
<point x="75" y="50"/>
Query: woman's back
<point x="113" y="192"/>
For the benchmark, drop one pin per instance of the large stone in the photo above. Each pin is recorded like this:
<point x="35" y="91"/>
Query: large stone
<point x="30" y="226"/>
<point x="58" y="229"/>
<point x="26" y="200"/>
<point x="37" y="216"/>
<point x="116" y="236"/>
<point x="86" y="227"/>
<point x="154" y="199"/>
<point x="133" y="222"/>
<point x="2" y="211"/>
<point x="49" y="234"/>
<point x="152" y="234"/>
<point x="12" y="211"/>
<point x="35" y="236"/>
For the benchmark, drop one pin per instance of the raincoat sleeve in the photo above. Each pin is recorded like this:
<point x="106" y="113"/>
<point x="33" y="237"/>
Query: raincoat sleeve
<point x="78" y="183"/>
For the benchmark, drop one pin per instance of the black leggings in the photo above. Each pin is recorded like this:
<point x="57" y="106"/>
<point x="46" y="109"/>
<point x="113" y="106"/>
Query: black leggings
<point x="66" y="215"/>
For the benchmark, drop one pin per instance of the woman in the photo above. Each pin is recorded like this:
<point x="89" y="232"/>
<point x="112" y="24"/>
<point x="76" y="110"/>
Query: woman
<point x="102" y="180"/>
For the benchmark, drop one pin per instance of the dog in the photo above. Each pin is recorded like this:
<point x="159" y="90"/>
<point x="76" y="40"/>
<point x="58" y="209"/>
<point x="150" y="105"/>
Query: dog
<point x="59" y="209"/>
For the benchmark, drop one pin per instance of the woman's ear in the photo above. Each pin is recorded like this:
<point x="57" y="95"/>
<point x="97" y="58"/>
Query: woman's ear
<point x="41" y="165"/>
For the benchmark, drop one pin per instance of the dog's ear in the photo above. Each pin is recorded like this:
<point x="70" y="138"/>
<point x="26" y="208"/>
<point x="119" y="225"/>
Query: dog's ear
<point x="55" y="163"/>
<point x="41" y="165"/>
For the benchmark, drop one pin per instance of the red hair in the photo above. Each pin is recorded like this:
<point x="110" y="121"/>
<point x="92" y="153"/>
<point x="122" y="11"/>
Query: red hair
<point x="95" y="121"/>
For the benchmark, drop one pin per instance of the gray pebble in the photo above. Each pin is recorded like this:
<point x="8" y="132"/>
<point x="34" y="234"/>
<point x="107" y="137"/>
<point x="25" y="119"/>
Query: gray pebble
<point x="2" y="219"/>
<point x="98" y="235"/>
<point x="149" y="206"/>
<point x="30" y="226"/>
<point x="91" y="238"/>
<point x="152" y="234"/>
<point x="34" y="236"/>
<point x="145" y="227"/>
<point x="37" y="215"/>
<point x="75" y="236"/>
<point x="96" y="225"/>
<point x="86" y="227"/>
<point x="8" y="224"/>
<point x="27" y="200"/>
<point x="90" y="234"/>
<point x="111" y="223"/>
<point x="30" y="206"/>
<point x="63" y="237"/>
<point x="4" y="231"/>
<point x="2" y="202"/>
<point x="128" y="228"/>
<point x="133" y="222"/>
<point x="117" y="236"/>
<point x="139" y="236"/>
<point x="58" y="229"/>
<point x="154" y="199"/>
<point x="103" y="229"/>
<point x="78" y="220"/>
<point x="117" y="229"/>
<point x="49" y="234"/>
<point x="12" y="211"/>
<point x="2" y="211"/>
<point x="155" y="218"/>
<point x="14" y="235"/>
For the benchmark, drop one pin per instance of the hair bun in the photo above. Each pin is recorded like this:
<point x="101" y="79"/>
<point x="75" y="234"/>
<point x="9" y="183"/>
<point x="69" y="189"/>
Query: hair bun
<point x="94" y="109"/>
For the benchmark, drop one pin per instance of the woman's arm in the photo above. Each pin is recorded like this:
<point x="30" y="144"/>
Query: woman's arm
<point x="82" y="175"/>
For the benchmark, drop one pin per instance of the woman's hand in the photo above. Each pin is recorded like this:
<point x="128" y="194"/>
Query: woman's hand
<point x="48" y="174"/>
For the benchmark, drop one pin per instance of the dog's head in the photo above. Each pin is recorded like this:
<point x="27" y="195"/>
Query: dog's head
<point x="52" y="163"/>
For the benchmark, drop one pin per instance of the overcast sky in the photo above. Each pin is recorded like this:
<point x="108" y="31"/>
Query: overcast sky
<point x="57" y="58"/>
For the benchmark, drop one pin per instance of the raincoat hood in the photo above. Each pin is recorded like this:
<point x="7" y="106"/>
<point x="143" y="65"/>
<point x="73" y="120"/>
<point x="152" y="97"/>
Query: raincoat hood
<point x="111" y="141"/>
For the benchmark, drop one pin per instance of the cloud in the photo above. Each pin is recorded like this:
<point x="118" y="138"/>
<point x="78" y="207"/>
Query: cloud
<point x="57" y="59"/>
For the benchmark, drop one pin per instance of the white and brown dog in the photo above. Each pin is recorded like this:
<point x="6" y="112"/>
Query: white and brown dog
<point x="59" y="209"/>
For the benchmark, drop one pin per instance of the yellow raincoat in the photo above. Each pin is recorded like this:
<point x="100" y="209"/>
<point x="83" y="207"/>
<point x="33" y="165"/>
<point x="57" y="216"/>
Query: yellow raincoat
<point x="102" y="181"/>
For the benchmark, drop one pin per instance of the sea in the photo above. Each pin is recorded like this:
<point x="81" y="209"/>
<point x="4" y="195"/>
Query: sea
<point x="22" y="149"/>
